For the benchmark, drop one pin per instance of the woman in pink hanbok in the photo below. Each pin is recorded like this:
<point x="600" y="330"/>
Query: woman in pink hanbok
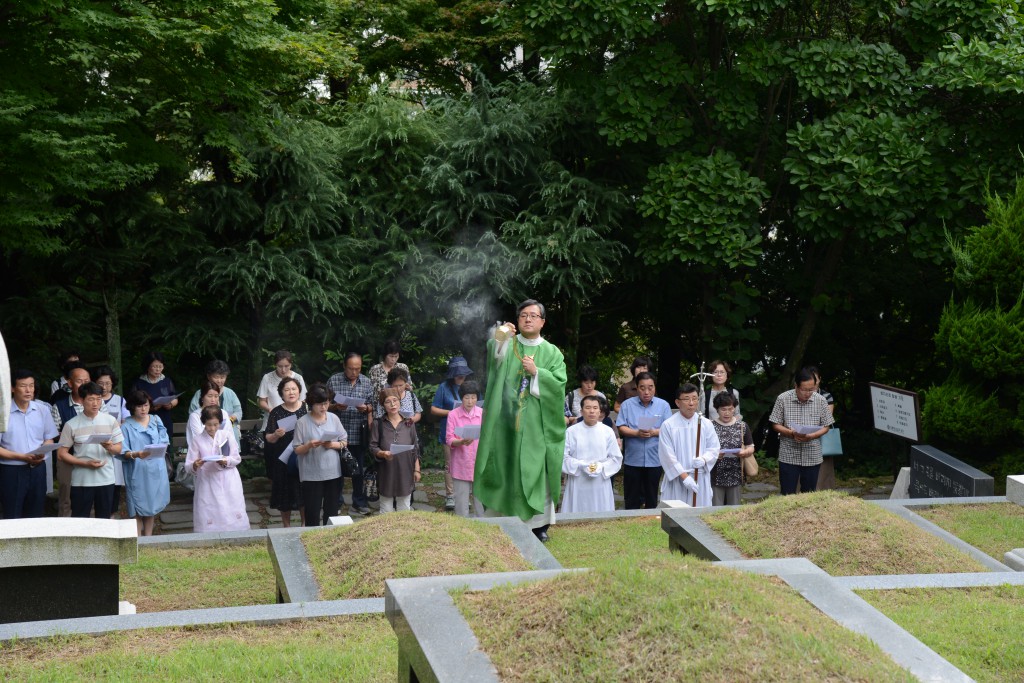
<point x="218" y="504"/>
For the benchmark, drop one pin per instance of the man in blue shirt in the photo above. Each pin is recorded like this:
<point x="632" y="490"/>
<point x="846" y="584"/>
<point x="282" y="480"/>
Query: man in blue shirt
<point x="639" y="425"/>
<point x="23" y="476"/>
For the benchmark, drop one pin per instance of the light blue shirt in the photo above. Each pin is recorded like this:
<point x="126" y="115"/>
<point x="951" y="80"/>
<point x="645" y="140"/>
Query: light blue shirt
<point x="27" y="430"/>
<point x="642" y="452"/>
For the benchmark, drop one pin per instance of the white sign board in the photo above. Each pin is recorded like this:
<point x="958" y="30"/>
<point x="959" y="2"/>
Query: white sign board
<point x="896" y="412"/>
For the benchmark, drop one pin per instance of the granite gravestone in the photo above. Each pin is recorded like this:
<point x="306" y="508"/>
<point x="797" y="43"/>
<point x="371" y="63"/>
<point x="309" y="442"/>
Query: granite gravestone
<point x="934" y="474"/>
<point x="62" y="568"/>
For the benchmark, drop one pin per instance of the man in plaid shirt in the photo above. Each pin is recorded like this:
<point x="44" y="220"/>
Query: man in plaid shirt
<point x="355" y="420"/>
<point x="801" y="417"/>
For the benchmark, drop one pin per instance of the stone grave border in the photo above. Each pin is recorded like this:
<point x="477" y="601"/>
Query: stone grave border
<point x="249" y="614"/>
<point x="905" y="508"/>
<point x="294" y="573"/>
<point x="688" y="533"/>
<point x="436" y="644"/>
<point x="296" y="583"/>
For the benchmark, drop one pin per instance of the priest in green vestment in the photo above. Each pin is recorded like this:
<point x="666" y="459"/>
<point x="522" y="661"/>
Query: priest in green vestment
<point x="522" y="441"/>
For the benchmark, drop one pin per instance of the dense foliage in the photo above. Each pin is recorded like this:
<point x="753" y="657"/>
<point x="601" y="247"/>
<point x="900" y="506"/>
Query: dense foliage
<point x="766" y="182"/>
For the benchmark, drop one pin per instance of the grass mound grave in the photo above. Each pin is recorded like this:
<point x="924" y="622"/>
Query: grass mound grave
<point x="844" y="535"/>
<point x="354" y="561"/>
<point x="670" y="619"/>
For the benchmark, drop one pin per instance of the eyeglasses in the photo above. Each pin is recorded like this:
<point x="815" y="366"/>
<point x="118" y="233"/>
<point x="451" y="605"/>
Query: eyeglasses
<point x="718" y="372"/>
<point x="530" y="316"/>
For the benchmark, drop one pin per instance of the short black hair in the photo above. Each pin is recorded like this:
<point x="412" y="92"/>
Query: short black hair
<point x="18" y="375"/>
<point x="318" y="393"/>
<point x="283" y="382"/>
<point x="586" y="373"/>
<point x="398" y="373"/>
<point x="725" y="398"/>
<point x="805" y="375"/>
<point x="643" y="376"/>
<point x="89" y="389"/>
<point x="532" y="302"/>
<point x="210" y="413"/>
<point x="637" y="362"/>
<point x="282" y="354"/>
<point x="352" y="354"/>
<point x="592" y="397"/>
<point x="136" y="398"/>
<point x="390" y="346"/>
<point x="470" y="387"/>
<point x="217" y="367"/>
<point x="148" y="359"/>
<point x="688" y="388"/>
<point x="104" y="370"/>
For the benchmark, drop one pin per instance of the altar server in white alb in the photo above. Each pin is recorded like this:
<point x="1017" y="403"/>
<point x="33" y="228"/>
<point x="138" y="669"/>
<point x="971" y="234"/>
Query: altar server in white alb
<point x="688" y="450"/>
<point x="592" y="457"/>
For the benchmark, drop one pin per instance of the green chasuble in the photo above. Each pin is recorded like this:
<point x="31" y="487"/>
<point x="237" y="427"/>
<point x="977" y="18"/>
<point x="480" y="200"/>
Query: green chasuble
<point x="519" y="460"/>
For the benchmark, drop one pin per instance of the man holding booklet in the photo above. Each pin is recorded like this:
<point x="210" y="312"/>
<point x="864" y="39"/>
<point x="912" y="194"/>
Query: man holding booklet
<point x="87" y="443"/>
<point x="24" y="450"/>
<point x="801" y="417"/>
<point x="353" y="393"/>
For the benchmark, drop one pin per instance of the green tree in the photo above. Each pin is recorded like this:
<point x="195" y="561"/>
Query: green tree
<point x="109" y="109"/>
<point x="770" y="146"/>
<point x="981" y="337"/>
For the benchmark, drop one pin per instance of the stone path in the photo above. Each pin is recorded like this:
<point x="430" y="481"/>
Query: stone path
<point x="429" y="497"/>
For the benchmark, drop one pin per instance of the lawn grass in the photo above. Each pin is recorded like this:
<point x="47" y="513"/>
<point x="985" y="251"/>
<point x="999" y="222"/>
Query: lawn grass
<point x="354" y="649"/>
<point x="843" y="535"/>
<point x="596" y="544"/>
<point x="354" y="561"/>
<point x="191" y="578"/>
<point x="666" y="619"/>
<point x="993" y="528"/>
<point x="976" y="629"/>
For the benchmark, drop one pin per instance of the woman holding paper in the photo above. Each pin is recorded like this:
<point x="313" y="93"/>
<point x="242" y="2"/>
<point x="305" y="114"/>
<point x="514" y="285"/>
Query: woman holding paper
<point x="737" y="443"/>
<point x="319" y="439"/>
<point x="284" y="476"/>
<point x="393" y="442"/>
<point x="463" y="437"/>
<point x="159" y="387"/>
<point x="218" y="503"/>
<point x="145" y="474"/>
<point x="209" y="395"/>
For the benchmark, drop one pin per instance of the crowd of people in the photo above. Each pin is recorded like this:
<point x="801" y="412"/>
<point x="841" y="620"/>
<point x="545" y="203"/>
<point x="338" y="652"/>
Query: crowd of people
<point x="529" y="446"/>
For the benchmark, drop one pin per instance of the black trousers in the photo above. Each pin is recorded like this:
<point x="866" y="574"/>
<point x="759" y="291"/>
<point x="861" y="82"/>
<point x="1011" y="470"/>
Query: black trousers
<point x="22" y="490"/>
<point x="84" y="498"/>
<point x="640" y="486"/>
<point x="359" y="452"/>
<point x="805" y="475"/>
<point x="320" y="496"/>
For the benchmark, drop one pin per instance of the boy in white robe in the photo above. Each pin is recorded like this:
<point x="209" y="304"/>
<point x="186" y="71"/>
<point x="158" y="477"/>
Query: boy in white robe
<point x="592" y="456"/>
<point x="687" y="466"/>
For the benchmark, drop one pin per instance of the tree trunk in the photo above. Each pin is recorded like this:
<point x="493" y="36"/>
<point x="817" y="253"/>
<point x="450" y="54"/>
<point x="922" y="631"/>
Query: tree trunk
<point x="572" y="336"/>
<point x="112" y="322"/>
<point x="670" y="355"/>
<point x="827" y="270"/>
<point x="253" y="365"/>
